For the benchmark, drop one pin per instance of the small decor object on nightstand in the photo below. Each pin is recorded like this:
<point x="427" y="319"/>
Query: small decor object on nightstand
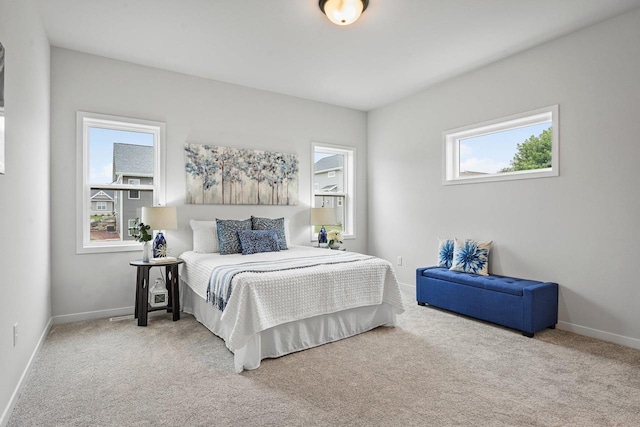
<point x="322" y="238"/>
<point x="139" y="231"/>
<point x="158" y="294"/>
<point x="159" y="246"/>
<point x="335" y="239"/>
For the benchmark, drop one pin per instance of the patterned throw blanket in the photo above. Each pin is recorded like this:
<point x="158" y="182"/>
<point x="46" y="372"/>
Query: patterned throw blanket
<point x="220" y="285"/>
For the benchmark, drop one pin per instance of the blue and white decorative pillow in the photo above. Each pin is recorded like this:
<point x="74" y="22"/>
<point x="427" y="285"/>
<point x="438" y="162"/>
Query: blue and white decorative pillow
<point x="228" y="234"/>
<point x="445" y="252"/>
<point x="470" y="256"/>
<point x="255" y="241"/>
<point x="271" y="224"/>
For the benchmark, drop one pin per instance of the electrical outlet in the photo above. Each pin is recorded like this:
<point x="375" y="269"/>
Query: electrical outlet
<point x="399" y="261"/>
<point x="15" y="334"/>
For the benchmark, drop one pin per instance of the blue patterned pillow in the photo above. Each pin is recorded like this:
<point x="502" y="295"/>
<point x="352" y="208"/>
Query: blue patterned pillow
<point x="470" y="256"/>
<point x="271" y="224"/>
<point x="254" y="241"/>
<point x="445" y="252"/>
<point x="228" y="234"/>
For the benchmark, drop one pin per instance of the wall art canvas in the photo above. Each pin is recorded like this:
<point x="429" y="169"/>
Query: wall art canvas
<point x="232" y="176"/>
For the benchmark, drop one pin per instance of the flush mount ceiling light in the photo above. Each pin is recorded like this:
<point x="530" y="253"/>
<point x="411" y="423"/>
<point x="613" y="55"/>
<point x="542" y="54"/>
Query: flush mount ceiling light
<point x="343" y="12"/>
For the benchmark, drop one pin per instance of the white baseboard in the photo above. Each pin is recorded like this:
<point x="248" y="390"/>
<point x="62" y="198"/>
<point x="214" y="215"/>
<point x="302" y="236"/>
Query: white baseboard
<point x="4" y="419"/>
<point x="92" y="315"/>
<point x="407" y="288"/>
<point x="601" y="335"/>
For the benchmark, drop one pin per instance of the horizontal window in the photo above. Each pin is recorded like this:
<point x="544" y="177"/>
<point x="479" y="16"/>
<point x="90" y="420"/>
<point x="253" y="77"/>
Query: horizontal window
<point x="516" y="147"/>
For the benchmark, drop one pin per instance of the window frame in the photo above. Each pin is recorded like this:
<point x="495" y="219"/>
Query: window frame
<point x="129" y="181"/>
<point x="349" y="176"/>
<point x="131" y="222"/>
<point x="101" y="206"/>
<point x="451" y="146"/>
<point x="84" y="121"/>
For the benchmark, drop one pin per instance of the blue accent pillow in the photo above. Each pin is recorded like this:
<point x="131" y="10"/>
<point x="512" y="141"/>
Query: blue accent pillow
<point x="255" y="241"/>
<point x="228" y="234"/>
<point x="470" y="256"/>
<point x="445" y="252"/>
<point x="271" y="224"/>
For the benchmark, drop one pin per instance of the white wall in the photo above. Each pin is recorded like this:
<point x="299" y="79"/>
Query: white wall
<point x="24" y="195"/>
<point x="579" y="229"/>
<point x="195" y="110"/>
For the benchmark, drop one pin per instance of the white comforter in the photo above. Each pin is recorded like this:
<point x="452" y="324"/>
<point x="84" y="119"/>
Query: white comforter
<point x="261" y="300"/>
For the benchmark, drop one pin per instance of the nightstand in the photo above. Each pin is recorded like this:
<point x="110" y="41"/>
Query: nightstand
<point x="142" y="288"/>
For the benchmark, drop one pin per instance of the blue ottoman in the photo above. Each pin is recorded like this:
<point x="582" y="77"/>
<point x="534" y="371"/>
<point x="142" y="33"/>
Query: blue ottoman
<point x="525" y="305"/>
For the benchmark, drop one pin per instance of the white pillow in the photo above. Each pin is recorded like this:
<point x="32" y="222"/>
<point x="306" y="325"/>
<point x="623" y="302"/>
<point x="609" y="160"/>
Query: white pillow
<point x="287" y="234"/>
<point x="205" y="236"/>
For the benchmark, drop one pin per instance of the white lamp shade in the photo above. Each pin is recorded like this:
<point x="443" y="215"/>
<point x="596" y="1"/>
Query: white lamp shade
<point x="160" y="217"/>
<point x="323" y="216"/>
<point x="343" y="12"/>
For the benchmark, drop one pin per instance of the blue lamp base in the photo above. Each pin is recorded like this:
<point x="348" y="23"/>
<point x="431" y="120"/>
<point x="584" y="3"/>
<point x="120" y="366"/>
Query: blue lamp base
<point x="322" y="238"/>
<point x="159" y="242"/>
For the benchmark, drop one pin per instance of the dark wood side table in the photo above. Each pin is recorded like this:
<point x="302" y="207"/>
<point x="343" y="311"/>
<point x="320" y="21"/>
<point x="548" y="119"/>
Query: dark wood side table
<point x="142" y="289"/>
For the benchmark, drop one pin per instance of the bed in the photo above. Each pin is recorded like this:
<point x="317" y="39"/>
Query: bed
<point x="267" y="305"/>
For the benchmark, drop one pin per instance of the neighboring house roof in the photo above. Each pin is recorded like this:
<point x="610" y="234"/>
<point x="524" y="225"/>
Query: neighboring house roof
<point x="332" y="187"/>
<point x="329" y="163"/>
<point x="131" y="159"/>
<point x="100" y="195"/>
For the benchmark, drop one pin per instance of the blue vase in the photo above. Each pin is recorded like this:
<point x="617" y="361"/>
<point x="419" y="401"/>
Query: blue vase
<point x="157" y="242"/>
<point x="322" y="236"/>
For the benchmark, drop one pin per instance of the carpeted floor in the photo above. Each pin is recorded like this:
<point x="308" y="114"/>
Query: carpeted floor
<point x="435" y="368"/>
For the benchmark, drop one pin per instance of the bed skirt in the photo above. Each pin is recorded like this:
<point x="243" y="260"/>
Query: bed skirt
<point x="288" y="337"/>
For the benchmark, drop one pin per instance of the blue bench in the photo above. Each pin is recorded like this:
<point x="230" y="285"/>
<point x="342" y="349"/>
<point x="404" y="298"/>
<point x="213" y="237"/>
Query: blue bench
<point x="526" y="305"/>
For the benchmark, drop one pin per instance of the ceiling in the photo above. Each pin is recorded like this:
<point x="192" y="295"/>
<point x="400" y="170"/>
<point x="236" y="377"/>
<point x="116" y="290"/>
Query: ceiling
<point x="397" y="48"/>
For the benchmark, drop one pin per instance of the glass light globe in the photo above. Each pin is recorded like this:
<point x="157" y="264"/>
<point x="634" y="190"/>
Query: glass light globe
<point x="343" y="12"/>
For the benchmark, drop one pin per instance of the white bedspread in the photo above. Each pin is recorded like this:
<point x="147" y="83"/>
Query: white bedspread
<point x="261" y="300"/>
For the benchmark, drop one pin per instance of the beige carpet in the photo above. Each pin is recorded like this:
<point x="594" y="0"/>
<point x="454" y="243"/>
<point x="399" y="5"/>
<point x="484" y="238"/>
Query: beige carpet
<point x="435" y="368"/>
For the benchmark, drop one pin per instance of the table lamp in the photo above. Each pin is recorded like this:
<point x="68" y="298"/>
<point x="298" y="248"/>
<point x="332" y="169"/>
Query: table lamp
<point x="322" y="217"/>
<point x="160" y="218"/>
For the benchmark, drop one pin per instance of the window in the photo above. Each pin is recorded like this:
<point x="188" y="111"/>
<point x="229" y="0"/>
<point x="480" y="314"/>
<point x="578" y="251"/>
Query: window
<point x="333" y="183"/>
<point x="516" y="147"/>
<point x="131" y="222"/>
<point x="134" y="194"/>
<point x="122" y="171"/>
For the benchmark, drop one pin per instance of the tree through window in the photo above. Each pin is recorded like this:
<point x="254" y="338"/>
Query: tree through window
<point x="515" y="147"/>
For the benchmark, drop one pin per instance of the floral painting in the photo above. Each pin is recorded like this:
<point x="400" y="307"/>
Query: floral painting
<point x="232" y="176"/>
